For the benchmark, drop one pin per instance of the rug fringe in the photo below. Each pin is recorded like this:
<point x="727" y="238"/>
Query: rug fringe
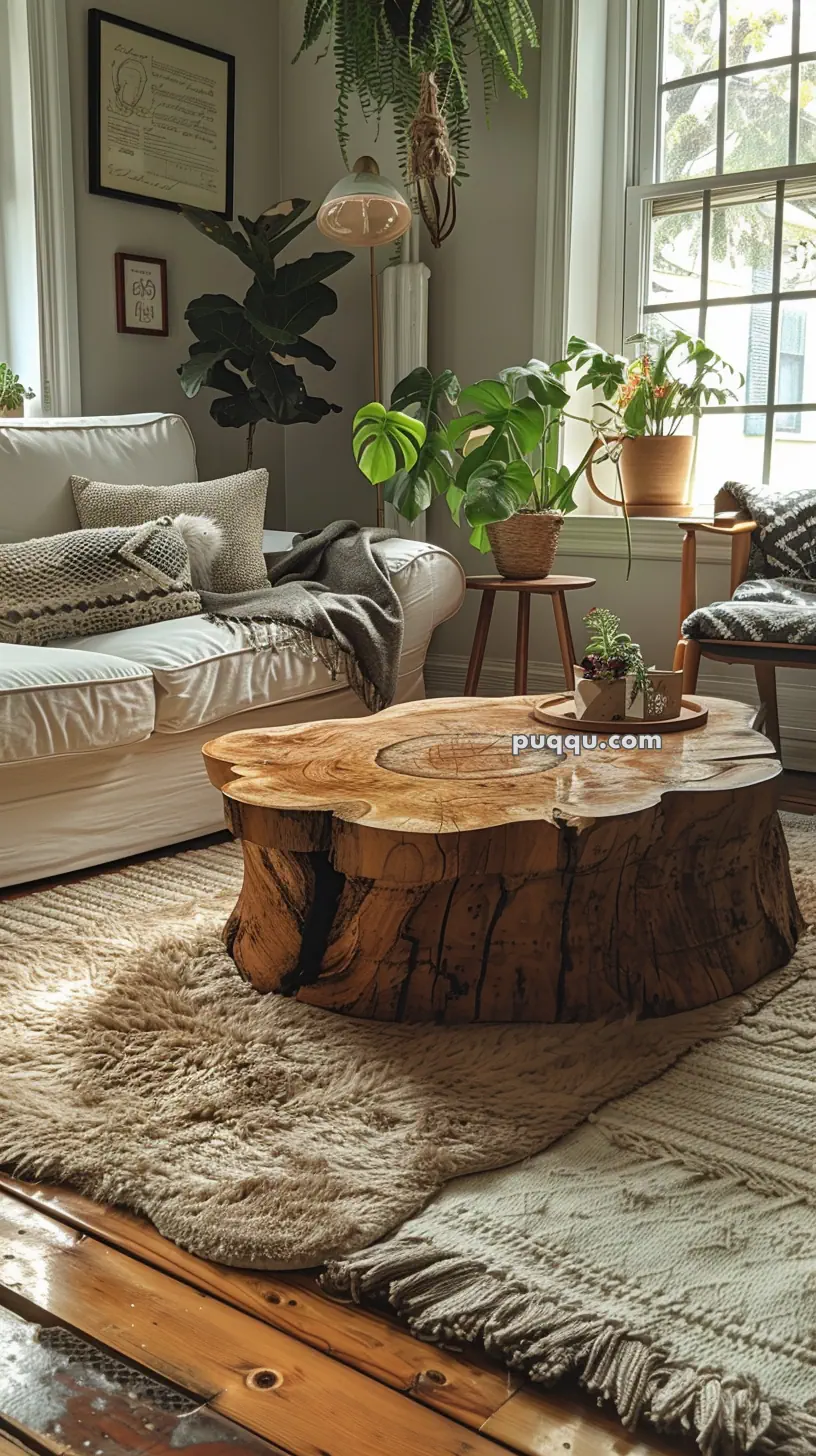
<point x="448" y="1300"/>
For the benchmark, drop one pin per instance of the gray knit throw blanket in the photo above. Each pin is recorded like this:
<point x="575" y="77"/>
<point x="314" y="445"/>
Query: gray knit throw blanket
<point x="778" y="601"/>
<point x="329" y="598"/>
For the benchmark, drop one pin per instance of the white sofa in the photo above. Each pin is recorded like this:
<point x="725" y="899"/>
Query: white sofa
<point x="100" y="737"/>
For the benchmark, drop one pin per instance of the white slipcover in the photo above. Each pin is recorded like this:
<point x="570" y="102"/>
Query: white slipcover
<point x="100" y="738"/>
<point x="54" y="702"/>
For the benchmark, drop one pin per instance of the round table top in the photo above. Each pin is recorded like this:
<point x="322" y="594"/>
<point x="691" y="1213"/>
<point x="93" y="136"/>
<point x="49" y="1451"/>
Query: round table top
<point x="450" y="765"/>
<point x="546" y="584"/>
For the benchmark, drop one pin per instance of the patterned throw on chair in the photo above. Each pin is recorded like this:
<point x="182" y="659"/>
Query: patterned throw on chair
<point x="778" y="601"/>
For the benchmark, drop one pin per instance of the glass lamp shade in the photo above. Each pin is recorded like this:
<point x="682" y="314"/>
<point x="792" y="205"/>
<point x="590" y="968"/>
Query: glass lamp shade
<point x="364" y="209"/>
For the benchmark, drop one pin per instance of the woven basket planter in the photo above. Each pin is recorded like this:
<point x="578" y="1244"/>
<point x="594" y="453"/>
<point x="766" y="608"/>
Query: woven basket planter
<point x="524" y="546"/>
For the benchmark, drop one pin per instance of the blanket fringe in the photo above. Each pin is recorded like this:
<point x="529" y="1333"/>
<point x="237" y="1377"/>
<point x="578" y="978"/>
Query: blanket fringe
<point x="449" y="1300"/>
<point x="263" y="633"/>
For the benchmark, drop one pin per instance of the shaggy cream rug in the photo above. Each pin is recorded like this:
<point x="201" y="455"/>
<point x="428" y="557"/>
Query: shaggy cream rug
<point x="662" y="1251"/>
<point x="140" y="1067"/>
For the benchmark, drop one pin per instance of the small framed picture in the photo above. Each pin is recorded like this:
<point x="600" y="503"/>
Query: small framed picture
<point x="141" y="294"/>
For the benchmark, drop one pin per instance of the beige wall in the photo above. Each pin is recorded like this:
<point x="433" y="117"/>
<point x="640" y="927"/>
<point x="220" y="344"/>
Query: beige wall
<point x="481" y="287"/>
<point x="122" y="373"/>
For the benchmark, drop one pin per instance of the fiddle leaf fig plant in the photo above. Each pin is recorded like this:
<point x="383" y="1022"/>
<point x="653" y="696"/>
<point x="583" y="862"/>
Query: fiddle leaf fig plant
<point x="242" y="349"/>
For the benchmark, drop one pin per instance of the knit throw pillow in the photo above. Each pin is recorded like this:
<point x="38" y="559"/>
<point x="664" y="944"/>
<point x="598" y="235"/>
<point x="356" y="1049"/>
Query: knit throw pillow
<point x="84" y="582"/>
<point x="236" y="504"/>
<point x="785" y="544"/>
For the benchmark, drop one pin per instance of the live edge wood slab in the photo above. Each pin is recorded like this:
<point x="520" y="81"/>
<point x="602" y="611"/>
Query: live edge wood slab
<point x="409" y="867"/>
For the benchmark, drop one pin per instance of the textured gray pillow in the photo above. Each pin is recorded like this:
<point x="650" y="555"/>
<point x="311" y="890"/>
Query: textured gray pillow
<point x="236" y="503"/>
<point x="84" y="582"/>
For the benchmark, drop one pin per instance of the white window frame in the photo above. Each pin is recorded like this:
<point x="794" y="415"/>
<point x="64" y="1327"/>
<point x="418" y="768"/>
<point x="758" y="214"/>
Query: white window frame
<point x="642" y="194"/>
<point x="37" y="238"/>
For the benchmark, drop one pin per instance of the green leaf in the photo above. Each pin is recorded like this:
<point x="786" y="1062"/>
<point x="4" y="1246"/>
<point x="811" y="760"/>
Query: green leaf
<point x="496" y="491"/>
<point x="215" y="228"/>
<point x="480" y="539"/>
<point x="421" y="389"/>
<point x="454" y="496"/>
<point x="284" y="317"/>
<point x="543" y="385"/>
<point x="381" y="438"/>
<point x="489" y="396"/>
<point x="196" y="370"/>
<point x="305" y="271"/>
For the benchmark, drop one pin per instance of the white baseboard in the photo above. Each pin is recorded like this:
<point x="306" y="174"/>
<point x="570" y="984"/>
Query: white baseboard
<point x="445" y="677"/>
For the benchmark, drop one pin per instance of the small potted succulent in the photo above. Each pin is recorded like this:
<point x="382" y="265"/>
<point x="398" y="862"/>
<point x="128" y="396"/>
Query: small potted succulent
<point x="12" y="393"/>
<point x="612" y="682"/>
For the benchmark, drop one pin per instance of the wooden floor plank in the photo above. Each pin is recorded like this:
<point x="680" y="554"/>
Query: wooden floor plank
<point x="68" y="1397"/>
<point x="265" y="1380"/>
<point x="547" y="1424"/>
<point x="11" y="1447"/>
<point x="467" y="1390"/>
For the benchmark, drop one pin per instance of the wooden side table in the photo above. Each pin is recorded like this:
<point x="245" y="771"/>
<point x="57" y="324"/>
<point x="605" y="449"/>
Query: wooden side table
<point x="553" y="587"/>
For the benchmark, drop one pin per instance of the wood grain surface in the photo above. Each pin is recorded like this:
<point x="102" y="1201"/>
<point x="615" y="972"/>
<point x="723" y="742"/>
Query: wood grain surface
<point x="412" y="867"/>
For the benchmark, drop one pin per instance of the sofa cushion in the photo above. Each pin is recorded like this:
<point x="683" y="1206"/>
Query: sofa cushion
<point x="236" y="503"/>
<point x="55" y="701"/>
<point x="204" y="671"/>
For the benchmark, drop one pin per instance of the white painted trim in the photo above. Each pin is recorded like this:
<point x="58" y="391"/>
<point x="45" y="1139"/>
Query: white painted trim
<point x="652" y="540"/>
<point x="54" y="204"/>
<point x="445" y="677"/>
<point x="554" y="181"/>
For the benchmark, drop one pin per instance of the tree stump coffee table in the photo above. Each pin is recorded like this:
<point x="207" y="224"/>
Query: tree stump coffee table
<point x="410" y="867"/>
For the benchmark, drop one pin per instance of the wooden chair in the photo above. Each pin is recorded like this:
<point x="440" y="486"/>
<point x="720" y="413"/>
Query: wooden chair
<point x="765" y="657"/>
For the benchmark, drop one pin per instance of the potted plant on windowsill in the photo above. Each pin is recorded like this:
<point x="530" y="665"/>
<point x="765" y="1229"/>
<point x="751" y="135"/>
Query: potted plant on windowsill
<point x="13" y="394"/>
<point x="645" y="403"/>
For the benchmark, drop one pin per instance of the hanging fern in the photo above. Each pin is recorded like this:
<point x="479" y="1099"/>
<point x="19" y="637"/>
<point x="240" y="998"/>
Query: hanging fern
<point x="382" y="49"/>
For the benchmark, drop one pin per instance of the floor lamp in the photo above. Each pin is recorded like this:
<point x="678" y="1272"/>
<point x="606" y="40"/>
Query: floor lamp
<point x="364" y="210"/>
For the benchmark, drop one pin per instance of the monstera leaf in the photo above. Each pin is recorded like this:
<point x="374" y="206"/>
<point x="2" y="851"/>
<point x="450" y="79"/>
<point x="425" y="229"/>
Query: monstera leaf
<point x="411" y="489"/>
<point x="241" y="349"/>
<point x="383" y="438"/>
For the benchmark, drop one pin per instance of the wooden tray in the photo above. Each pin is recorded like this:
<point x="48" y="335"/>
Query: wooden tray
<point x="558" y="711"/>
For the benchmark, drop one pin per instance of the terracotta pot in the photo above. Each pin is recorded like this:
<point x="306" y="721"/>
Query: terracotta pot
<point x="602" y="701"/>
<point x="656" y="473"/>
<point x="663" y="699"/>
<point x="524" y="546"/>
<point x="12" y="414"/>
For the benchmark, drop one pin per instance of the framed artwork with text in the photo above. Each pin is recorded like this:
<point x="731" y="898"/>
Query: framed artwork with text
<point x="141" y="294"/>
<point x="161" y="116"/>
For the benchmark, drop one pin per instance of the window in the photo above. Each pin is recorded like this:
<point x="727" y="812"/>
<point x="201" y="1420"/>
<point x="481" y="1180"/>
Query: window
<point x="721" y="230"/>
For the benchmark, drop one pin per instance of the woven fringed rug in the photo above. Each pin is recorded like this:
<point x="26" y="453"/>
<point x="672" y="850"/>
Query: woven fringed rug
<point x="662" y="1251"/>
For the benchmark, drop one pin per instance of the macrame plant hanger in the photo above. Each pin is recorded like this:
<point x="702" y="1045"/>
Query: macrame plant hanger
<point x="430" y="161"/>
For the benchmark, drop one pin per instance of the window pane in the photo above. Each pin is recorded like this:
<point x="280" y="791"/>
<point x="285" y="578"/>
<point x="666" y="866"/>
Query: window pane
<point x="661" y="326"/>
<point x="677" y="245"/>
<point x="730" y="447"/>
<point x="741" y="334"/>
<point x="796" y="363"/>
<point x="756" y="32"/>
<point x="757" y="120"/>
<point x="689" y="131"/>
<point x="691" y="38"/>
<point x="807" y="112"/>
<point x="807" y="28"/>
<point x="794" y="451"/>
<point x="741" y="254"/>
<point x="799" y="244"/>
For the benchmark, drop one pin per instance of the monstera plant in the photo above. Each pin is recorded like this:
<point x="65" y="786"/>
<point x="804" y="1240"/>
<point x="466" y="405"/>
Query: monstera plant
<point x="242" y="349"/>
